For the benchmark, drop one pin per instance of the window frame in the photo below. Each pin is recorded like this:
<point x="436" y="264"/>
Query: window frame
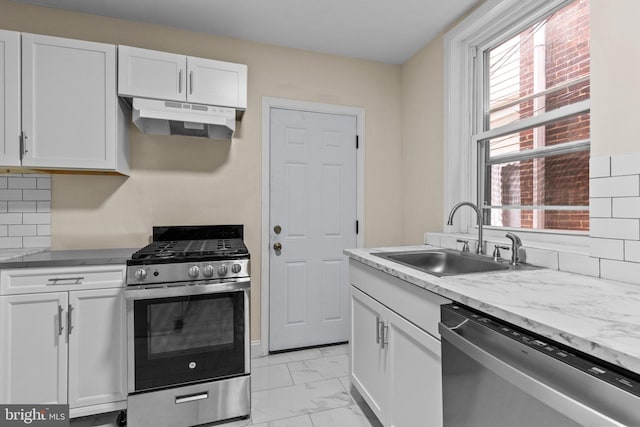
<point x="491" y="23"/>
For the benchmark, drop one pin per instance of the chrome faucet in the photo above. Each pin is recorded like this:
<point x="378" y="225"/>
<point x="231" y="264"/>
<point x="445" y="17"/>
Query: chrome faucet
<point x="480" y="247"/>
<point x="516" y="244"/>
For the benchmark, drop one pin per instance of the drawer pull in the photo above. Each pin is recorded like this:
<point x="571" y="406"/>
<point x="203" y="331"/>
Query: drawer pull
<point x="55" y="280"/>
<point x="192" y="397"/>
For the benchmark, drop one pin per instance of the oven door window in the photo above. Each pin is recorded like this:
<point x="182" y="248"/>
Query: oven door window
<point x="187" y="339"/>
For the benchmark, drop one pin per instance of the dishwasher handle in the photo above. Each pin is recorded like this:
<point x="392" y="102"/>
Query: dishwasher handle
<point x="535" y="388"/>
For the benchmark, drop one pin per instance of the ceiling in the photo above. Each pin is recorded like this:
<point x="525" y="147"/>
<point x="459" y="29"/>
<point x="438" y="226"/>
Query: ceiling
<point x="388" y="31"/>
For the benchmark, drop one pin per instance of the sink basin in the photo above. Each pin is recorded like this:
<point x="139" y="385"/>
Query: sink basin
<point x="446" y="262"/>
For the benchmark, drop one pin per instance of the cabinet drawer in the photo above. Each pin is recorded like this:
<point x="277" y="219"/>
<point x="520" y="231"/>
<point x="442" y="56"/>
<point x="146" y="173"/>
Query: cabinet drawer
<point x="33" y="280"/>
<point x="419" y="306"/>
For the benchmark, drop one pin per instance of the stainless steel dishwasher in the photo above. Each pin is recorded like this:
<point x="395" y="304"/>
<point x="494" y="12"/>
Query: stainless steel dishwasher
<point x="497" y="375"/>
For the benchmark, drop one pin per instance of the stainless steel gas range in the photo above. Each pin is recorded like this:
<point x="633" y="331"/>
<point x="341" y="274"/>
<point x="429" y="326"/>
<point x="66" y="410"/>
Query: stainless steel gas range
<point x="188" y="327"/>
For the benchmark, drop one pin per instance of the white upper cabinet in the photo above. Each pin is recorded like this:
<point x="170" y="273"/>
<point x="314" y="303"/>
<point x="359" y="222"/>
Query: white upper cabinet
<point x="151" y="74"/>
<point x="217" y="83"/>
<point x="160" y="75"/>
<point x="71" y="116"/>
<point x="9" y="98"/>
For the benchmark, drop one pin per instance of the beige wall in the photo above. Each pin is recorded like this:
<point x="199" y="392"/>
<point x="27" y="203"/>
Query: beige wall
<point x="422" y="85"/>
<point x="615" y="71"/>
<point x="195" y="181"/>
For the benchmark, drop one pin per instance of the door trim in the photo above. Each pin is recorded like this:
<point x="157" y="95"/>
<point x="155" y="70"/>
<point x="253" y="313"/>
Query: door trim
<point x="289" y="104"/>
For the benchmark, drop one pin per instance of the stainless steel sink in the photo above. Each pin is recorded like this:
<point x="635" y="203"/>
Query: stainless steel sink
<point x="447" y="262"/>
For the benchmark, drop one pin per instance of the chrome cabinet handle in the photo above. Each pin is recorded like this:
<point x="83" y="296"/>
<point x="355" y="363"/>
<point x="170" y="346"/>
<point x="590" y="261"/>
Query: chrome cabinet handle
<point x="69" y="323"/>
<point x="180" y="80"/>
<point x="190" y="82"/>
<point x="378" y="328"/>
<point x="385" y="335"/>
<point x="191" y="398"/>
<point x="55" y="280"/>
<point x="60" y="327"/>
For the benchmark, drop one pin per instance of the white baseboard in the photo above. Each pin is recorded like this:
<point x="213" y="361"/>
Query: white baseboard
<point x="256" y="349"/>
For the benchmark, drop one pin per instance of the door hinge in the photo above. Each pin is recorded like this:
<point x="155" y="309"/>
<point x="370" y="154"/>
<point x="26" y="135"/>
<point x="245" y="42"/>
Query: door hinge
<point x="357" y="226"/>
<point x="357" y="141"/>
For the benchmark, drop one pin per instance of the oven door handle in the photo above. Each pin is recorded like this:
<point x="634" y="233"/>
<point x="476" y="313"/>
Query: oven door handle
<point x="191" y="398"/>
<point x="151" y="291"/>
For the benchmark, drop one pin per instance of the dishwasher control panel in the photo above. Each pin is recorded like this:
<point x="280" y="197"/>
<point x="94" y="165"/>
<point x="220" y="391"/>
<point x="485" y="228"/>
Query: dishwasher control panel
<point x="600" y="369"/>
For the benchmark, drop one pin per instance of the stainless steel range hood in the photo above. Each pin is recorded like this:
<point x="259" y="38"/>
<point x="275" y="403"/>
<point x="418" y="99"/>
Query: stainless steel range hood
<point x="160" y="117"/>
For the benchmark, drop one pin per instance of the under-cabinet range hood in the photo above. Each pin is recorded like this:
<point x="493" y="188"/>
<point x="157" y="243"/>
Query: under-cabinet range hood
<point x="160" y="117"/>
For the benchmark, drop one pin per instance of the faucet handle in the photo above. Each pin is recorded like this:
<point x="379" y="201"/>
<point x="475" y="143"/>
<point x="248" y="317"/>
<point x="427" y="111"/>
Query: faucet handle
<point x="497" y="256"/>
<point x="465" y="246"/>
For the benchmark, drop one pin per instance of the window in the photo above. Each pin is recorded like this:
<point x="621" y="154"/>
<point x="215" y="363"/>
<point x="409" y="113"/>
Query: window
<point x="528" y="88"/>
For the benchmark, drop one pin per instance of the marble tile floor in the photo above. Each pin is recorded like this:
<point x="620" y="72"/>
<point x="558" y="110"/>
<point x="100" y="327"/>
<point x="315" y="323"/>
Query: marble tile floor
<point x="306" y="388"/>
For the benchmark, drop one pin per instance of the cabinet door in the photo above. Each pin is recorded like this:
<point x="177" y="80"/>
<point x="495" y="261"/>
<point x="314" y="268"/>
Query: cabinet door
<point x="148" y="73"/>
<point x="9" y="98"/>
<point x="33" y="348"/>
<point x="414" y="375"/>
<point x="368" y="359"/>
<point x="69" y="103"/>
<point x="97" y="347"/>
<point x="217" y="83"/>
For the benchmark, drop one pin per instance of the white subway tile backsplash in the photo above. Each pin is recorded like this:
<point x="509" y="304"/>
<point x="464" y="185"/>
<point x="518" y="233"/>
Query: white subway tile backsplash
<point x="599" y="167"/>
<point x="10" y="194"/>
<point x="22" y="230"/>
<point x="620" y="270"/>
<point x="25" y="206"/>
<point x="632" y="251"/>
<point x="432" y="239"/>
<point x="615" y="228"/>
<point x="626" y="207"/>
<point x="576" y="263"/>
<point x="20" y="206"/>
<point x="600" y="207"/>
<point x="10" y="218"/>
<point x="36" y="195"/>
<point x="44" y="183"/>
<point x="625" y="164"/>
<point x="10" y="242"/>
<point x="606" y="248"/>
<point x="43" y="206"/>
<point x="619" y="186"/>
<point x="22" y="183"/>
<point x="36" y="218"/>
<point x="37" y="242"/>
<point x="541" y="257"/>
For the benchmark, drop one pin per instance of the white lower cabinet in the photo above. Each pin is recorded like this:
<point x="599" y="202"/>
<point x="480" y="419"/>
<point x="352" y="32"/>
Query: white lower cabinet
<point x="395" y="364"/>
<point x="67" y="346"/>
<point x="33" y="352"/>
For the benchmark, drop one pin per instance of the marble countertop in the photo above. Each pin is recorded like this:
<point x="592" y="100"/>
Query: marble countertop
<point x="70" y="258"/>
<point x="599" y="317"/>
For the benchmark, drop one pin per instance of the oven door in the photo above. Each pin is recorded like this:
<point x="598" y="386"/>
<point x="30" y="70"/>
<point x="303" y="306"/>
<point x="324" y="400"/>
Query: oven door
<point x="187" y="334"/>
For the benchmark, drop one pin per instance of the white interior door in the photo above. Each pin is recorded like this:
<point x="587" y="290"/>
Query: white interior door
<point x="313" y="201"/>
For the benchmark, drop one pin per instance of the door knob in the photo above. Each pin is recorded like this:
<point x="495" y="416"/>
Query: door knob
<point x="277" y="246"/>
<point x="277" y="229"/>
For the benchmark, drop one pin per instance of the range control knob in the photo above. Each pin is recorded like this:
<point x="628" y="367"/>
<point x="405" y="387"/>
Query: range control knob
<point x="140" y="274"/>
<point x="194" y="271"/>
<point x="208" y="271"/>
<point x="236" y="268"/>
<point x="222" y="270"/>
